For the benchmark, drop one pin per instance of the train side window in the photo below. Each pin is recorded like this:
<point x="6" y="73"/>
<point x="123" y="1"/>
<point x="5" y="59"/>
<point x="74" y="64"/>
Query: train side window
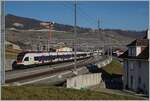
<point x="54" y="56"/>
<point x="40" y="58"/>
<point x="46" y="58"/>
<point x="49" y="57"/>
<point x="26" y="59"/>
<point x="36" y="58"/>
<point x="60" y="56"/>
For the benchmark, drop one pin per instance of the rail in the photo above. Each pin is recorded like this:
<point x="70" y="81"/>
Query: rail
<point x="42" y="71"/>
<point x="47" y="71"/>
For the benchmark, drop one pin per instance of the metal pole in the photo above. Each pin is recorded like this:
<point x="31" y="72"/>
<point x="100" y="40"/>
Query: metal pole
<point x="98" y="24"/>
<point x="99" y="32"/>
<point x="49" y="36"/>
<point x="48" y="47"/>
<point x="75" y="37"/>
<point x="2" y="45"/>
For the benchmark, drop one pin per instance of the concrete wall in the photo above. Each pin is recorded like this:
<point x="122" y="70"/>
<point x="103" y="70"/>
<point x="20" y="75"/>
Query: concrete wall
<point x="84" y="81"/>
<point x="104" y="63"/>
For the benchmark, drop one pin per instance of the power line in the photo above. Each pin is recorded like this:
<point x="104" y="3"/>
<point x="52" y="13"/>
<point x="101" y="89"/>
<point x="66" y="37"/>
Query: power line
<point x="91" y="17"/>
<point x="82" y="13"/>
<point x="86" y="19"/>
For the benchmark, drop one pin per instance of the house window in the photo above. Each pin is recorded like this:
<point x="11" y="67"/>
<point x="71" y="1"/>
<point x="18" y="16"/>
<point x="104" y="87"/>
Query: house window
<point x="125" y="64"/>
<point x="139" y="80"/>
<point x="140" y="64"/>
<point x="132" y="51"/>
<point x="131" y="65"/>
<point x="144" y="86"/>
<point x="131" y="78"/>
<point x="129" y="52"/>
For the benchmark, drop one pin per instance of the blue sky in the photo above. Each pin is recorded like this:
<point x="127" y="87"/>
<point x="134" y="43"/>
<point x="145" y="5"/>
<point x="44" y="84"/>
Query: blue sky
<point x="126" y="15"/>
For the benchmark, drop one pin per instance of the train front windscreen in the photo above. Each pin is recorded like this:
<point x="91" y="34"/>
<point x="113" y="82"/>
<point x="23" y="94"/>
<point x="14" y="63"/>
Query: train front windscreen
<point x="20" y="56"/>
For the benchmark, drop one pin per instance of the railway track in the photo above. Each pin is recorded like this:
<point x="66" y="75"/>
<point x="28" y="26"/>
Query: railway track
<point x="15" y="77"/>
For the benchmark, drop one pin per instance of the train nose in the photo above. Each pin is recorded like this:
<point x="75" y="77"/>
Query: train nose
<point x="18" y="62"/>
<point x="14" y="64"/>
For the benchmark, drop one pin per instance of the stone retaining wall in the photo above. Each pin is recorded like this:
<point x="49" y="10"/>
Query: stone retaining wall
<point x="87" y="80"/>
<point x="104" y="63"/>
<point x="84" y="81"/>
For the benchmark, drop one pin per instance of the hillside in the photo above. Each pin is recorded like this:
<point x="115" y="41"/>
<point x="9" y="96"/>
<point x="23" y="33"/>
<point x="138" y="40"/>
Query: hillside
<point x="27" y="23"/>
<point x="25" y="33"/>
<point x="30" y="23"/>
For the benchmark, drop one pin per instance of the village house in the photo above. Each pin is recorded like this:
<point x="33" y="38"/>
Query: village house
<point x="136" y="65"/>
<point x="10" y="45"/>
<point x="117" y="52"/>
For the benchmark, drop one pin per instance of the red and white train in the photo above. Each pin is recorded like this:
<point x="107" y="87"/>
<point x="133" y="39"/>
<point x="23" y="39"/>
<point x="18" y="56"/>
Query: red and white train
<point x="27" y="59"/>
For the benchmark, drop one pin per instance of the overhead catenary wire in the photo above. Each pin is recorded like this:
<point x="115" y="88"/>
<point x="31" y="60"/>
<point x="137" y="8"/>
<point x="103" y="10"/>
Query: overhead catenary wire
<point x="84" y="14"/>
<point x="81" y="12"/>
<point x="90" y="18"/>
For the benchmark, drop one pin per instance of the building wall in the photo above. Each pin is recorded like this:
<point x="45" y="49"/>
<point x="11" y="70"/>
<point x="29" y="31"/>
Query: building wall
<point x="132" y="74"/>
<point x="125" y="77"/>
<point x="138" y="50"/>
<point x="148" y="34"/>
<point x="133" y="70"/>
<point x="144" y="74"/>
<point x="64" y="49"/>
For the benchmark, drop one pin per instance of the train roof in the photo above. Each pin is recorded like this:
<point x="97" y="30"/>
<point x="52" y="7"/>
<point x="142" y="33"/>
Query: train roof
<point x="26" y="52"/>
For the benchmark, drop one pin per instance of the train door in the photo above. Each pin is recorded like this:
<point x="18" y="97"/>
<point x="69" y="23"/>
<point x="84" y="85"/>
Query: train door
<point x="26" y="61"/>
<point x="31" y="60"/>
<point x="57" y="57"/>
<point x="42" y="59"/>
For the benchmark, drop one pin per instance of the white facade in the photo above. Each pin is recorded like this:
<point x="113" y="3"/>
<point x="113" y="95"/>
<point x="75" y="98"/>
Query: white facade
<point x="136" y="66"/>
<point x="64" y="49"/>
<point x="136" y="75"/>
<point x="138" y="50"/>
<point x="148" y="34"/>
